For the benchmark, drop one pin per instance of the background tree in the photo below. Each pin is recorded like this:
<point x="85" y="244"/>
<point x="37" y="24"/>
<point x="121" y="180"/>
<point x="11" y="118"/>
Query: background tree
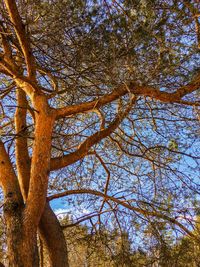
<point x="100" y="103"/>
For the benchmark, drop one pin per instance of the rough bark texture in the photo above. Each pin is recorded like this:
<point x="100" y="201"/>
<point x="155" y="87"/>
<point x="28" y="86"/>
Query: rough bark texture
<point x="53" y="238"/>
<point x="25" y="193"/>
<point x="21" y="147"/>
<point x="21" y="243"/>
<point x="22" y="249"/>
<point x="49" y="226"/>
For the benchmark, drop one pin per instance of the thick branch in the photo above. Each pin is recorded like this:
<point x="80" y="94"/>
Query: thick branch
<point x="60" y="162"/>
<point x="8" y="179"/>
<point x="5" y="44"/>
<point x="21" y="146"/>
<point x="135" y="89"/>
<point x="84" y="107"/>
<point x="22" y="36"/>
<point x="23" y="82"/>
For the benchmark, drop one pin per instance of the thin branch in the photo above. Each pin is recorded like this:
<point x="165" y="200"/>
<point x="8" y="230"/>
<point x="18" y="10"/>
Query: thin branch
<point x="108" y="177"/>
<point x="84" y="218"/>
<point x="126" y="205"/>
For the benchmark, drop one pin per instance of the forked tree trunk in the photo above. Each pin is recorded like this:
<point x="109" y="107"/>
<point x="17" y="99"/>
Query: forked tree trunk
<point x="49" y="227"/>
<point x="22" y="241"/>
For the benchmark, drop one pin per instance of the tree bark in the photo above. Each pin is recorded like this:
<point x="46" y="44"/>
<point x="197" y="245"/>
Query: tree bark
<point x="22" y="248"/>
<point x="21" y="244"/>
<point x="53" y="238"/>
<point x="49" y="226"/>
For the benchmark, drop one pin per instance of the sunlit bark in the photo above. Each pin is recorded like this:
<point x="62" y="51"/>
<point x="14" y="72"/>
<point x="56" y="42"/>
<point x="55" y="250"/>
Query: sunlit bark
<point x="25" y="191"/>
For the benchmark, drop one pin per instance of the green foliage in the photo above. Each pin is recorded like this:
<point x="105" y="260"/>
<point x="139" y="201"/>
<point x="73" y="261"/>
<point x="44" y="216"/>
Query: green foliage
<point x="173" y="145"/>
<point x="114" y="249"/>
<point x="87" y="49"/>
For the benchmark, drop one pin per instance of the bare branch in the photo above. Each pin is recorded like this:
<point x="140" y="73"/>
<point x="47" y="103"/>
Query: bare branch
<point x="5" y="44"/>
<point x="8" y="179"/>
<point x="21" y="146"/>
<point x="22" y="37"/>
<point x="108" y="177"/>
<point x="120" y="91"/>
<point x="126" y="205"/>
<point x="82" y="151"/>
<point x="84" y="218"/>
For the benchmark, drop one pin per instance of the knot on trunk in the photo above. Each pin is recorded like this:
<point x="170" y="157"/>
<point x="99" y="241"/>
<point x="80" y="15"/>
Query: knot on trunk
<point x="11" y="205"/>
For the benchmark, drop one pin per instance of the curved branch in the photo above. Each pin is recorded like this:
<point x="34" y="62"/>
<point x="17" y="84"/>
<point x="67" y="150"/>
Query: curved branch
<point x="23" y="82"/>
<point x="124" y="204"/>
<point x="82" y="151"/>
<point x="84" y="107"/>
<point x="133" y="88"/>
<point x="22" y="36"/>
<point x="84" y="218"/>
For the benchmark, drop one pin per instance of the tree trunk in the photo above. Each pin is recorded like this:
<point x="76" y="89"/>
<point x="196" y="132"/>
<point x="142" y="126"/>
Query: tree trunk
<point x="53" y="238"/>
<point x="49" y="231"/>
<point x="22" y="244"/>
<point x="22" y="241"/>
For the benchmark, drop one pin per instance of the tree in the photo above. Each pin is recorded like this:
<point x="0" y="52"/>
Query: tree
<point x="92" y="89"/>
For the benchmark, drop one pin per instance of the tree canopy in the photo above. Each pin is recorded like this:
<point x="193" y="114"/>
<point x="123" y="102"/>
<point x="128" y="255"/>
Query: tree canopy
<point x="99" y="106"/>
